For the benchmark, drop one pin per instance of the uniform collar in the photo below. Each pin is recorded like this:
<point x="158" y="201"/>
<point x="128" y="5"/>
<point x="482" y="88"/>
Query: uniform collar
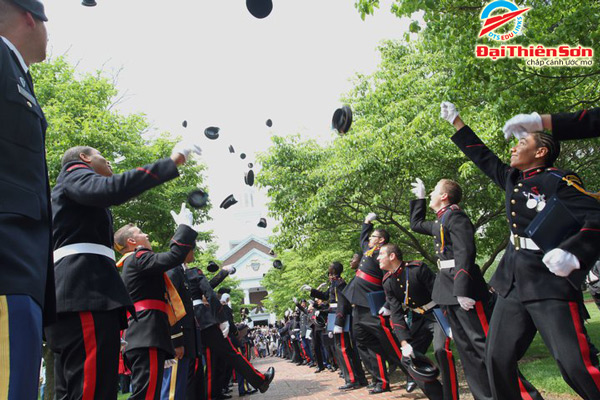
<point x="17" y="53"/>
<point x="442" y="211"/>
<point x="531" y="172"/>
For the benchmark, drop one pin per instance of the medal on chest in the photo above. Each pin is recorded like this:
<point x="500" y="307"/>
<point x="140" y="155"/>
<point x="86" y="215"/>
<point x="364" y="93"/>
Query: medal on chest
<point x="535" y="200"/>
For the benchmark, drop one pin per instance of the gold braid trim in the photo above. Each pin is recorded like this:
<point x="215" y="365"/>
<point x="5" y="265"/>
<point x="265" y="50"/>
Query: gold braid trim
<point x="369" y="253"/>
<point x="575" y="182"/>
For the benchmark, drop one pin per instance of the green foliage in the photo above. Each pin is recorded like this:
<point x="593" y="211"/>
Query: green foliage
<point x="80" y="112"/>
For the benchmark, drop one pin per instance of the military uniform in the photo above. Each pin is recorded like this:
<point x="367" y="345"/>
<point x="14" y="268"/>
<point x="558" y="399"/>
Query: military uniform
<point x="531" y="298"/>
<point x="148" y="333"/>
<point x="408" y="290"/>
<point x="91" y="297"/>
<point x="369" y="331"/>
<point x="27" y="284"/>
<point x="458" y="276"/>
<point x="580" y="125"/>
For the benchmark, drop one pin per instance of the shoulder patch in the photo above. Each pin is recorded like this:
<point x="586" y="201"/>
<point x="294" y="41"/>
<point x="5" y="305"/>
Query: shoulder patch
<point x="140" y="253"/>
<point x="573" y="179"/>
<point x="78" y="166"/>
<point x="414" y="263"/>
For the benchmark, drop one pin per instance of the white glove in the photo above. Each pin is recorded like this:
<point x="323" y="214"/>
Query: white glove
<point x="230" y="269"/>
<point x="370" y="217"/>
<point x="466" y="303"/>
<point x="224" y="326"/>
<point x="321" y="286"/>
<point x="519" y="125"/>
<point x="418" y="189"/>
<point x="407" y="351"/>
<point x="560" y="262"/>
<point x="123" y="344"/>
<point x="330" y="334"/>
<point x="305" y="287"/>
<point x="448" y="111"/>
<point x="308" y="334"/>
<point x="338" y="329"/>
<point x="295" y="300"/>
<point x="317" y="313"/>
<point x="185" y="148"/>
<point x="184" y="217"/>
<point x="293" y="337"/>
<point x="385" y="312"/>
<point x="170" y="362"/>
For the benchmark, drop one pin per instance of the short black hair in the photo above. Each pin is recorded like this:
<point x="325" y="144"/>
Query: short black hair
<point x="543" y="139"/>
<point x="393" y="249"/>
<point x="453" y="190"/>
<point x="73" y="154"/>
<point x="336" y="268"/>
<point x="384" y="234"/>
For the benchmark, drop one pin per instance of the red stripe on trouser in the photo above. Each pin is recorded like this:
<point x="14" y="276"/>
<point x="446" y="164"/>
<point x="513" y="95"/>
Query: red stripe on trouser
<point x="388" y="333"/>
<point x="196" y="366"/>
<point x="451" y="369"/>
<point x="208" y="374"/>
<point x="484" y="325"/>
<point x="583" y="344"/>
<point x="304" y="351"/>
<point x="151" y="392"/>
<point x="346" y="359"/>
<point x="245" y="359"/>
<point x="384" y="383"/>
<point x="89" y="366"/>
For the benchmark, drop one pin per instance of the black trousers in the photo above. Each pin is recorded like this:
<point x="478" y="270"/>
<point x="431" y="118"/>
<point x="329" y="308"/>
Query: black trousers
<point x="147" y="367"/>
<point x="512" y="328"/>
<point x="349" y="361"/>
<point x="196" y="383"/>
<point x="86" y="354"/>
<point x="317" y="343"/>
<point x="217" y="347"/>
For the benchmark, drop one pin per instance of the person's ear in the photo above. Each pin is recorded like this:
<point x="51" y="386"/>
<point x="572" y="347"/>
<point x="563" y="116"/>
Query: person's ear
<point x="85" y="158"/>
<point x="131" y="241"/>
<point x="444" y="196"/>
<point x="541" y="152"/>
<point x="29" y="20"/>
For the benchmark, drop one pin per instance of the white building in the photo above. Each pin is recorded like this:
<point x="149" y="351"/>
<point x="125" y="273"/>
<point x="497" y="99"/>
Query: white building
<point x="252" y="260"/>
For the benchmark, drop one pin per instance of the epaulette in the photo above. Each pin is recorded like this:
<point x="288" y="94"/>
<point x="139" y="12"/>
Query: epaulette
<point x="415" y="263"/>
<point x="573" y="180"/>
<point x="141" y="252"/>
<point x="78" y="166"/>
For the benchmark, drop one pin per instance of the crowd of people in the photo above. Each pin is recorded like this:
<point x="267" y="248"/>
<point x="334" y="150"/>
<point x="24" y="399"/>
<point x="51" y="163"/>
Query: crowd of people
<point x="167" y="324"/>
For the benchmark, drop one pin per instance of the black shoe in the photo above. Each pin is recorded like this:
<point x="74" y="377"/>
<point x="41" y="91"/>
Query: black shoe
<point x="223" y="396"/>
<point x="319" y="370"/>
<point x="227" y="391"/>
<point x="349" y="386"/>
<point x="341" y="374"/>
<point x="371" y="385"/>
<point x="363" y="384"/>
<point x="269" y="375"/>
<point x="378" y="389"/>
<point x="311" y="364"/>
<point x="411" y="386"/>
<point x="251" y="391"/>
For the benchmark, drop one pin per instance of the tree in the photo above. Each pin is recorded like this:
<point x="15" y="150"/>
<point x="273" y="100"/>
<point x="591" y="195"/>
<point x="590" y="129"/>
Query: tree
<point x="80" y="112"/>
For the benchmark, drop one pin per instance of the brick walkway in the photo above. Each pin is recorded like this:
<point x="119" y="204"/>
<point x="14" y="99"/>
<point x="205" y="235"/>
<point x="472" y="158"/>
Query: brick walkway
<point x="294" y="382"/>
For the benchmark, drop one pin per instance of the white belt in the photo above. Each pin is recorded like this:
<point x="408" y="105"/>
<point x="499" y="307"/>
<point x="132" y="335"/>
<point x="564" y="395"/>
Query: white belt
<point x="443" y="264"/>
<point x="83" y="248"/>
<point x="197" y="302"/>
<point x="425" y="308"/>
<point x="523" y="243"/>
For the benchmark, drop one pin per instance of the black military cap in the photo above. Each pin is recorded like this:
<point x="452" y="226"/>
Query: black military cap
<point x="197" y="198"/>
<point x="249" y="178"/>
<point x="250" y="165"/>
<point x="88" y="3"/>
<point x="259" y="8"/>
<point x="269" y="123"/>
<point x="231" y="149"/>
<point x="421" y="368"/>
<point x="242" y="155"/>
<point x="212" y="132"/>
<point x="342" y="119"/>
<point x="184" y="124"/>
<point x="228" y="202"/>
<point x="277" y="264"/>
<point x="35" y="7"/>
<point x="262" y="223"/>
<point x="212" y="266"/>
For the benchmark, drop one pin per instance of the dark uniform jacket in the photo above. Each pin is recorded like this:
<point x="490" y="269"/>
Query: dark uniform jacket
<point x="209" y="314"/>
<point x="580" y="125"/>
<point x="25" y="216"/>
<point x="81" y="214"/>
<point x="143" y="274"/>
<point x="524" y="268"/>
<point x="186" y="325"/>
<point x="368" y="275"/>
<point x="334" y="296"/>
<point x="409" y="287"/>
<point x="458" y="244"/>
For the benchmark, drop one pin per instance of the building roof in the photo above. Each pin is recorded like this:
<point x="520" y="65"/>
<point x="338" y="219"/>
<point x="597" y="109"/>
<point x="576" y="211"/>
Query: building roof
<point x="244" y="247"/>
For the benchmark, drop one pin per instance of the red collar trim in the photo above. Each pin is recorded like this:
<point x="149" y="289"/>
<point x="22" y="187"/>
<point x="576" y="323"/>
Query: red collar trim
<point x="77" y="166"/>
<point x="441" y="212"/>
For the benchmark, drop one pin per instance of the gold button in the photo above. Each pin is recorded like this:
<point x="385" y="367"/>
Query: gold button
<point x="29" y="104"/>
<point x="513" y="213"/>
<point x="513" y="201"/>
<point x="514" y="225"/>
<point x="516" y="190"/>
<point x="520" y="185"/>
<point x="539" y="170"/>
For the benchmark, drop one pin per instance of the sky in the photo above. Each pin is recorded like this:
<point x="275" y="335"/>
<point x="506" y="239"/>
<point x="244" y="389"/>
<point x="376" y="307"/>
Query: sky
<point x="211" y="63"/>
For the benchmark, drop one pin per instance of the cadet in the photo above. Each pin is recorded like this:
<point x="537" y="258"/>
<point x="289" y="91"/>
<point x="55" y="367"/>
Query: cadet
<point x="157" y="303"/>
<point x="27" y="285"/>
<point x="537" y="292"/>
<point x="91" y="297"/>
<point x="416" y="301"/>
